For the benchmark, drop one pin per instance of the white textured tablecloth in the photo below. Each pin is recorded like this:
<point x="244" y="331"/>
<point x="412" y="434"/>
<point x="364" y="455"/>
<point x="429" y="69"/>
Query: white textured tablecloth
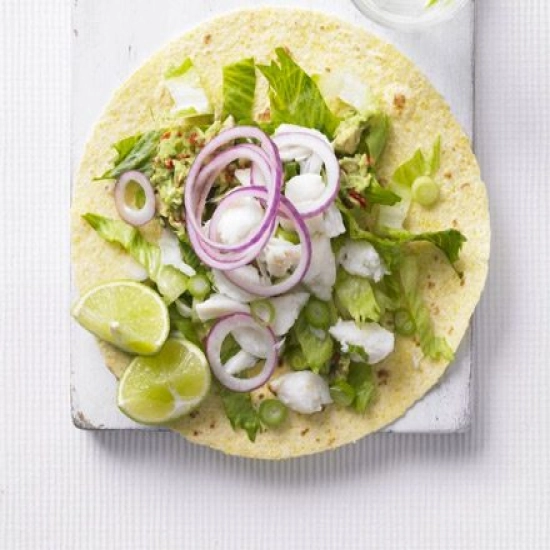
<point x="66" y="489"/>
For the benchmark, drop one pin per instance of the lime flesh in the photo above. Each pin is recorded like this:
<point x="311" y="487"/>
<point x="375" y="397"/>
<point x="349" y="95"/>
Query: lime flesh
<point x="127" y="314"/>
<point x="166" y="386"/>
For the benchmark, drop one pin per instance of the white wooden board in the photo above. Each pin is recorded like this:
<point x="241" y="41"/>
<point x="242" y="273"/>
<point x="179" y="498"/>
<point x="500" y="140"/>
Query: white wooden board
<point x="112" y="38"/>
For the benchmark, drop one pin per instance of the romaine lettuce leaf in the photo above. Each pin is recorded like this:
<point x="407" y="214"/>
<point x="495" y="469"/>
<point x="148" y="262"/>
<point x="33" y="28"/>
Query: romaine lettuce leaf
<point x="317" y="352"/>
<point x="171" y="282"/>
<point x="134" y="153"/>
<point x="401" y="183"/>
<point x="241" y="412"/>
<point x="295" y="97"/>
<point x="354" y="187"/>
<point x="449" y="241"/>
<point x="355" y="295"/>
<point x="361" y="378"/>
<point x="432" y="346"/>
<point x="184" y="84"/>
<point x="239" y="87"/>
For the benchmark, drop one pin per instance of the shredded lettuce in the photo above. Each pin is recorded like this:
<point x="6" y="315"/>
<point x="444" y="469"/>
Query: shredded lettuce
<point x="368" y="188"/>
<point x="241" y="412"/>
<point x="401" y="182"/>
<point x="171" y="282"/>
<point x="389" y="250"/>
<point x="239" y="87"/>
<point x="432" y="346"/>
<point x="316" y="351"/>
<point x="134" y="153"/>
<point x="390" y="246"/>
<point x="295" y="97"/>
<point x="449" y="241"/>
<point x="356" y="297"/>
<point x="184" y="84"/>
<point x="189" y="329"/>
<point x="361" y="379"/>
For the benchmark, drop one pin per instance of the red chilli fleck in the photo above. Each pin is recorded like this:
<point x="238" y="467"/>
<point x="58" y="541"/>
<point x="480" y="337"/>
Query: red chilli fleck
<point x="359" y="198"/>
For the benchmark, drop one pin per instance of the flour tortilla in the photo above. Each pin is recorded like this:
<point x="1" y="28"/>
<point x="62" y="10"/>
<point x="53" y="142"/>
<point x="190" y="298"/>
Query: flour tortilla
<point x="320" y="44"/>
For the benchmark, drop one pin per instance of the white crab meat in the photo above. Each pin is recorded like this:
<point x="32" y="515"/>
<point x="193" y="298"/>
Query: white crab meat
<point x="239" y="220"/>
<point x="287" y="308"/>
<point x="243" y="176"/>
<point x="321" y="275"/>
<point x="376" y="341"/>
<point x="170" y="253"/>
<point x="240" y="362"/>
<point x="227" y="288"/>
<point x="304" y="189"/>
<point x="252" y="340"/>
<point x="360" y="258"/>
<point x="280" y="256"/>
<point x="330" y="223"/>
<point x="218" y="306"/>
<point x="304" y="391"/>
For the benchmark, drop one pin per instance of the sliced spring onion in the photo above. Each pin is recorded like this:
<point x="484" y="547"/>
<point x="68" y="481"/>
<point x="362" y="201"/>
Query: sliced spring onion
<point x="272" y="412"/>
<point x="262" y="311"/>
<point x="342" y="393"/>
<point x="404" y="323"/>
<point x="317" y="314"/>
<point x="425" y="191"/>
<point x="199" y="286"/>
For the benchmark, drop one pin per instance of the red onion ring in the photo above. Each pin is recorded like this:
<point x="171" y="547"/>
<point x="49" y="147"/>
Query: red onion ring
<point x="205" y="181"/>
<point x="135" y="216"/>
<point x="265" y="156"/>
<point x="214" y="341"/>
<point x="323" y="149"/>
<point x="287" y="210"/>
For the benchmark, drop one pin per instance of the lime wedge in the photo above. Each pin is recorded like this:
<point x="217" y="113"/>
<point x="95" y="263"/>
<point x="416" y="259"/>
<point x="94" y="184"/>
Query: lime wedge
<point x="161" y="388"/>
<point x="127" y="314"/>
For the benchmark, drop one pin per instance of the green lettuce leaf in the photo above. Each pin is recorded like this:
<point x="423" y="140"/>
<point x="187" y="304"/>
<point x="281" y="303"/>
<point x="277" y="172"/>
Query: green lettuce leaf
<point x="188" y="328"/>
<point x="317" y="352"/>
<point x="241" y="412"/>
<point x="449" y="241"/>
<point x="239" y="87"/>
<point x="171" y="282"/>
<point x="368" y="188"/>
<point x="389" y="250"/>
<point x="356" y="297"/>
<point x="295" y="97"/>
<point x="134" y="153"/>
<point x="401" y="183"/>
<point x="432" y="346"/>
<point x="176" y="71"/>
<point x="185" y="86"/>
<point x="361" y="379"/>
<point x="374" y="139"/>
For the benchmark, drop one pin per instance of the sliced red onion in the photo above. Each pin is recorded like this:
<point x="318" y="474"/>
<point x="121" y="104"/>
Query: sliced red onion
<point x="288" y="211"/>
<point x="135" y="216"/>
<point x="265" y="160"/>
<point x="215" y="339"/>
<point x="205" y="181"/>
<point x="323" y="150"/>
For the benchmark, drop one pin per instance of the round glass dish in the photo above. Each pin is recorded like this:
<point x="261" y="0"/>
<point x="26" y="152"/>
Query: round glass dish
<point x="409" y="15"/>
